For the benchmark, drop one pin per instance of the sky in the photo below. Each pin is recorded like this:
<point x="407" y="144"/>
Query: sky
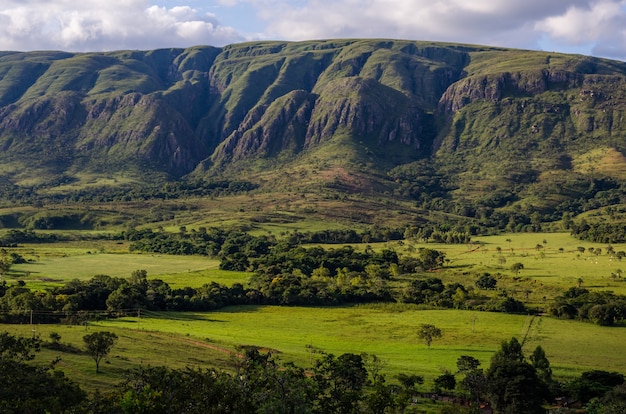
<point x="590" y="27"/>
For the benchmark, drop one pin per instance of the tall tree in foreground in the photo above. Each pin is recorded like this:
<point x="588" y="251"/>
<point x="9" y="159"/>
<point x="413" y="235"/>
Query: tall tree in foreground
<point x="340" y="382"/>
<point x="513" y="386"/>
<point x="99" y="345"/>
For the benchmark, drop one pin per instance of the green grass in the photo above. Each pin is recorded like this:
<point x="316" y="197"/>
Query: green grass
<point x="389" y="331"/>
<point x="547" y="272"/>
<point x="62" y="264"/>
<point x="134" y="348"/>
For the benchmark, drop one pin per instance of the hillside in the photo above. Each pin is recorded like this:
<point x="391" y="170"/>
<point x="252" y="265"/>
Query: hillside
<point x="465" y="129"/>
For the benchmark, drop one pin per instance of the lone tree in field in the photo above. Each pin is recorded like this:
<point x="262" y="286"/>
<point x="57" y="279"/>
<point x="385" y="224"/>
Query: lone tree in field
<point x="99" y="344"/>
<point x="428" y="332"/>
<point x="516" y="267"/>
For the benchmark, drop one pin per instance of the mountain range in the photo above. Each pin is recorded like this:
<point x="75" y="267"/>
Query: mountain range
<point x="425" y="121"/>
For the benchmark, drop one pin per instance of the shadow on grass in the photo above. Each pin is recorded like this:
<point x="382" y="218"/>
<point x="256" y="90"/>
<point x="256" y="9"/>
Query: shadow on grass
<point x="181" y="316"/>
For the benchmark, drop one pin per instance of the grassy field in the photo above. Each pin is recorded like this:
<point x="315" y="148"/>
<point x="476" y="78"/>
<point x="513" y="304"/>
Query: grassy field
<point x="548" y="270"/>
<point x="134" y="348"/>
<point x="55" y="264"/>
<point x="297" y="334"/>
<point x="389" y="331"/>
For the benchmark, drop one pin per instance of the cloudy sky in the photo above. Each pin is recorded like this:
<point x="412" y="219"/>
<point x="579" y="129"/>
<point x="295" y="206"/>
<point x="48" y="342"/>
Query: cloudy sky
<point x="593" y="27"/>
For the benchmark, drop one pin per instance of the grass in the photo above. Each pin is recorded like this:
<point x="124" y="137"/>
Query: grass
<point x="56" y="264"/>
<point x="548" y="271"/>
<point x="212" y="339"/>
<point x="554" y="267"/>
<point x="389" y="332"/>
<point x="134" y="348"/>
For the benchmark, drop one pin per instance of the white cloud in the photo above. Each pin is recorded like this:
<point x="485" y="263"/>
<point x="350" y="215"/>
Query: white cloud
<point x="595" y="26"/>
<point x="106" y="25"/>
<point x="524" y="24"/>
<point x="602" y="24"/>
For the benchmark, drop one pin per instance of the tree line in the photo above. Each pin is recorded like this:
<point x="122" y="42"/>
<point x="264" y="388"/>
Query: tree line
<point x="602" y="308"/>
<point x="600" y="232"/>
<point x="159" y="191"/>
<point x="286" y="275"/>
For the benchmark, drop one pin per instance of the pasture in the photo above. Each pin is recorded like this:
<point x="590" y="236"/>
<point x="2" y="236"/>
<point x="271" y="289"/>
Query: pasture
<point x="390" y="332"/>
<point x="295" y="334"/>
<point x="298" y="334"/>
<point x="53" y="265"/>
<point x="134" y="348"/>
<point x="549" y="268"/>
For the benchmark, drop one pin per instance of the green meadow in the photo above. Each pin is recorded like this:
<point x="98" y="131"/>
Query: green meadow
<point x="548" y="270"/>
<point x="552" y="263"/>
<point x="134" y="348"/>
<point x="299" y="334"/>
<point x="53" y="266"/>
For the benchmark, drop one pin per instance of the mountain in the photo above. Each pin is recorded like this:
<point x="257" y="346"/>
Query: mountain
<point x="464" y="125"/>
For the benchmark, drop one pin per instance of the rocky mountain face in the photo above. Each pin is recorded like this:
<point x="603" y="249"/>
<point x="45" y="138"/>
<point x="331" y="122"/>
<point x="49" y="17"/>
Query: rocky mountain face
<point x="476" y="112"/>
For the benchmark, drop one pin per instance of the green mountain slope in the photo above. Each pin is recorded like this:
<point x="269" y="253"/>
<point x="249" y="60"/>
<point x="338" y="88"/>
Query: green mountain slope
<point x="453" y="127"/>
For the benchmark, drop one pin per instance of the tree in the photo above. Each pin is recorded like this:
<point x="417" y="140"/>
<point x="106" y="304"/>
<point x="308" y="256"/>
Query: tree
<point x="594" y="384"/>
<point x="612" y="402"/>
<point x="340" y="382"/>
<point x="428" y="332"/>
<point x="541" y="364"/>
<point x="272" y="387"/>
<point x="513" y="386"/>
<point x="139" y="278"/>
<point x="516" y="267"/>
<point x="466" y="363"/>
<point x="511" y="350"/>
<point x="99" y="345"/>
<point x="408" y="389"/>
<point x="56" y="340"/>
<point x="474" y="381"/>
<point x="486" y="281"/>
<point x="30" y="388"/>
<point x="431" y="259"/>
<point x="125" y="298"/>
<point x="5" y="263"/>
<point x="445" y="381"/>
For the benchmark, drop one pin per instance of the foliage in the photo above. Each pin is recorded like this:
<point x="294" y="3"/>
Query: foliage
<point x="512" y="383"/>
<point x="99" y="345"/>
<point x="593" y="384"/>
<point x="486" y="281"/>
<point x="429" y="332"/>
<point x="602" y="307"/>
<point x="26" y="388"/>
<point x="600" y="232"/>
<point x="445" y="381"/>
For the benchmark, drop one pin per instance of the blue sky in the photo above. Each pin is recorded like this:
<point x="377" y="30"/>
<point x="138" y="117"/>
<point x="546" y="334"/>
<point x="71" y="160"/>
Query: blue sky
<point x="595" y="27"/>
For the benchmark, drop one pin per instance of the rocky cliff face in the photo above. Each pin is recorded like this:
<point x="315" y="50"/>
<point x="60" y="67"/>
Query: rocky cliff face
<point x="173" y="110"/>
